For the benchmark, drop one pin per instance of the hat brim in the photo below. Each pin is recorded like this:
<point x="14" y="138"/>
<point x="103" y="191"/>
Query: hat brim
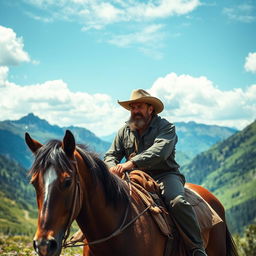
<point x="155" y="102"/>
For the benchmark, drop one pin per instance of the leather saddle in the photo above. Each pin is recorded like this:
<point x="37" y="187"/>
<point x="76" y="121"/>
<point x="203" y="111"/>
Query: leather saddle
<point x="150" y="193"/>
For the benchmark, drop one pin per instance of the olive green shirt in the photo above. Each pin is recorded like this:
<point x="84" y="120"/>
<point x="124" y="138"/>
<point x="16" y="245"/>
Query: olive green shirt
<point x="155" y="147"/>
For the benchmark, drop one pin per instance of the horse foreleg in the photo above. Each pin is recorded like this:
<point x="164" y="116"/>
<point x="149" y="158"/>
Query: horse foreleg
<point x="217" y="240"/>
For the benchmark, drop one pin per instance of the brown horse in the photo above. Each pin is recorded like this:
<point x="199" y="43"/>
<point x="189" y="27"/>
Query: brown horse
<point x="73" y="184"/>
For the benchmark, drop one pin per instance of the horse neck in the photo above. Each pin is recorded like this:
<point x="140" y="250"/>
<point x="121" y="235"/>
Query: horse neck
<point x="97" y="218"/>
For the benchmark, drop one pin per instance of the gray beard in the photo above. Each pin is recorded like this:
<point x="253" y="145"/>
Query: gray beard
<point x="138" y="123"/>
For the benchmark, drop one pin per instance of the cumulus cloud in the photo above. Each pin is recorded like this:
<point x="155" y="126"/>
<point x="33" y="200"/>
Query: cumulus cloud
<point x="186" y="98"/>
<point x="3" y="75"/>
<point x="12" y="52"/>
<point x="54" y="102"/>
<point x="250" y="62"/>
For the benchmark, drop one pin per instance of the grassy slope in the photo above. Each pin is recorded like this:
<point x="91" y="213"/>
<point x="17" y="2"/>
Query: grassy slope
<point x="14" y="219"/>
<point x="17" y="199"/>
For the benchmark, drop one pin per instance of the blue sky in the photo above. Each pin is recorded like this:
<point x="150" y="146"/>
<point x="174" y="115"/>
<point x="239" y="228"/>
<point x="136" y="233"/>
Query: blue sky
<point x="69" y="61"/>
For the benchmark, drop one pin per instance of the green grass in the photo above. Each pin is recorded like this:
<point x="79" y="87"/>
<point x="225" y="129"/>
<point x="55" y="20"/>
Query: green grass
<point x="13" y="219"/>
<point x="22" y="246"/>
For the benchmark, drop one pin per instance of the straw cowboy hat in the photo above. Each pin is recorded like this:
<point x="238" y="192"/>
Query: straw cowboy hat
<point x="140" y="95"/>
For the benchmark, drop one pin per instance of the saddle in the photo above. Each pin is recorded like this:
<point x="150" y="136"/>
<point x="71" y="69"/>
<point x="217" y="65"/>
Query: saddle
<point x="149" y="192"/>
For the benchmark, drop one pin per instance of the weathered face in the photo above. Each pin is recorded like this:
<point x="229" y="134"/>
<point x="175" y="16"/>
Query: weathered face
<point x="55" y="192"/>
<point x="141" y="114"/>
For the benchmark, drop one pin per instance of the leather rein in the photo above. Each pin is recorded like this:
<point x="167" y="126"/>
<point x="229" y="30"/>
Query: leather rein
<point x="77" y="203"/>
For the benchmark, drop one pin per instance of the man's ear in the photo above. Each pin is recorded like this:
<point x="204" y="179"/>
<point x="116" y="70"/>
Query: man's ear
<point x="150" y="109"/>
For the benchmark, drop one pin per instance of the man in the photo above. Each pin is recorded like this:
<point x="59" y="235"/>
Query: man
<point x="148" y="141"/>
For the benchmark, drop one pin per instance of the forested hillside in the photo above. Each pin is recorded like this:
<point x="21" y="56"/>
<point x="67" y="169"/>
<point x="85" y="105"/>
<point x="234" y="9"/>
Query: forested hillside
<point x="229" y="170"/>
<point x="18" y="210"/>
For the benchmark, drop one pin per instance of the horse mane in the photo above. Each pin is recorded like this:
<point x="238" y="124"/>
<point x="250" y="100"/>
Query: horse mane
<point x="52" y="154"/>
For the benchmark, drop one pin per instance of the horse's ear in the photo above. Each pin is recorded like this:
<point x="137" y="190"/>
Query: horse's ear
<point x="32" y="144"/>
<point x="69" y="143"/>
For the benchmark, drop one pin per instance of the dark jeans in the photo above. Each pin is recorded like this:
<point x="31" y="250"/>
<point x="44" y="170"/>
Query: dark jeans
<point x="172" y="186"/>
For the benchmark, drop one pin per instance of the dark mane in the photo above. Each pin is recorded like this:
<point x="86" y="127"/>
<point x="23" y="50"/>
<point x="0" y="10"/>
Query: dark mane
<point x="52" y="154"/>
<point x="114" y="188"/>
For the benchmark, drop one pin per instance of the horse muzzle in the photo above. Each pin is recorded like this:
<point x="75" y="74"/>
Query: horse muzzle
<point x="47" y="247"/>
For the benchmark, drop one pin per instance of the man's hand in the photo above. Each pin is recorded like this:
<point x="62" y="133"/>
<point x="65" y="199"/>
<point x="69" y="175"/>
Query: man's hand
<point x="121" y="168"/>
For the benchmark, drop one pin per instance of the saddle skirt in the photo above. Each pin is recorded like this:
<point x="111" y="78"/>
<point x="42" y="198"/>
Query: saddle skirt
<point x="149" y="192"/>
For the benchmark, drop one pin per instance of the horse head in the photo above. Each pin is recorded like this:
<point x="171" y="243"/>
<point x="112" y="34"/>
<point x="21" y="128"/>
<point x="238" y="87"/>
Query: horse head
<point x="54" y="176"/>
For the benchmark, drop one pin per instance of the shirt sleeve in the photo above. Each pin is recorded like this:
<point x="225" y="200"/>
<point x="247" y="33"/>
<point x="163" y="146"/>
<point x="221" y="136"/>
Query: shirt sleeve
<point x="116" y="151"/>
<point x="162" y="148"/>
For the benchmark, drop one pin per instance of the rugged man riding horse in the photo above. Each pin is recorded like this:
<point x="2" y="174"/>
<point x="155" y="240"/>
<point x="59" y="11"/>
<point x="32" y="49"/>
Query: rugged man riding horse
<point x="72" y="183"/>
<point x="148" y="141"/>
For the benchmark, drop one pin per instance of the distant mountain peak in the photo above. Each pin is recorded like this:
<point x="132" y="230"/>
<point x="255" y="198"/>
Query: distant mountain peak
<point x="31" y="118"/>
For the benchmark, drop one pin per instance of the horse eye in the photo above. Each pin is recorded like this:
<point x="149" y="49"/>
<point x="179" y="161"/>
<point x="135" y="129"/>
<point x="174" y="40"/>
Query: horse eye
<point x="67" y="182"/>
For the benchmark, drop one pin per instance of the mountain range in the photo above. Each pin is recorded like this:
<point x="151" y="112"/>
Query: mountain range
<point x="12" y="142"/>
<point x="193" y="138"/>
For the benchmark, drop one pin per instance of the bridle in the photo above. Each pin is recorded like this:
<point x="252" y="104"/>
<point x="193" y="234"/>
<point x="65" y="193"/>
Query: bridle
<point x="77" y="200"/>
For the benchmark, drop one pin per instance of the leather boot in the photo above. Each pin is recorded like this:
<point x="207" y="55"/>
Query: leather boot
<point x="183" y="213"/>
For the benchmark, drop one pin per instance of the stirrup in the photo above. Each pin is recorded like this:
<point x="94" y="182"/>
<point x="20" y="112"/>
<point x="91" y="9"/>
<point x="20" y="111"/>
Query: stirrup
<point x="199" y="250"/>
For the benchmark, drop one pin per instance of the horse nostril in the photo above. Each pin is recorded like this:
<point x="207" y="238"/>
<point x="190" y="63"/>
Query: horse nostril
<point x="52" y="245"/>
<point x="44" y="245"/>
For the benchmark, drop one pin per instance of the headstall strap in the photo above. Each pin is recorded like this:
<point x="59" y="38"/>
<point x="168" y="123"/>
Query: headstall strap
<point x="77" y="192"/>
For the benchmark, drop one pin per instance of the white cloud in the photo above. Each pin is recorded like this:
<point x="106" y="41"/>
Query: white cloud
<point x="129" y="15"/>
<point x="54" y="102"/>
<point x="242" y="13"/>
<point x="95" y="14"/>
<point x="12" y="52"/>
<point x="250" y="62"/>
<point x="149" y="34"/>
<point x="162" y="9"/>
<point x="150" y="37"/>
<point x="107" y="11"/>
<point x="188" y="98"/>
<point x="3" y="75"/>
